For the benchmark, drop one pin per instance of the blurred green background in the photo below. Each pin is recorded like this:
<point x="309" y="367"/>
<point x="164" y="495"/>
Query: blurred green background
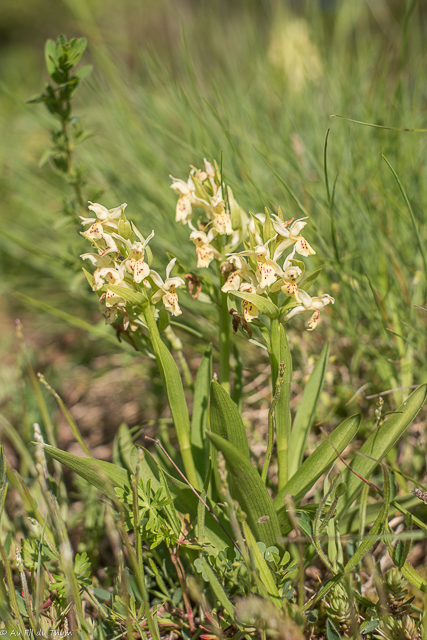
<point x="257" y="80"/>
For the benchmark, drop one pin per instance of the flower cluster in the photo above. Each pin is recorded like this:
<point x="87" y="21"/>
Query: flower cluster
<point x="255" y="271"/>
<point x="123" y="265"/>
<point x="216" y="220"/>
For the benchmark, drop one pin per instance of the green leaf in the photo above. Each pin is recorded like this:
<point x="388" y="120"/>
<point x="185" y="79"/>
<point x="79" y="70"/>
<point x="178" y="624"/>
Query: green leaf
<point x="216" y="587"/>
<point x="413" y="577"/>
<point x="310" y="279"/>
<point x="134" y="297"/>
<point x="319" y="461"/>
<point x="225" y="419"/>
<point x="122" y="448"/>
<point x="379" y="444"/>
<point x="263" y="304"/>
<point x="368" y="626"/>
<point x="84" y="72"/>
<point x="96" y="472"/>
<point x="250" y="492"/>
<point x="172" y="384"/>
<point x="199" y="419"/>
<point x="76" y="50"/>
<point x="268" y="231"/>
<point x="266" y="580"/>
<point x="306" y="410"/>
<point x="331" y="631"/>
<point x="50" y="57"/>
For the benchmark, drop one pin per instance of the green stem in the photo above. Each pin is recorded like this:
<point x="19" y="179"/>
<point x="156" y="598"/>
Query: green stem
<point x="279" y="352"/>
<point x="172" y="383"/>
<point x="224" y="342"/>
<point x="274" y="351"/>
<point x="279" y="383"/>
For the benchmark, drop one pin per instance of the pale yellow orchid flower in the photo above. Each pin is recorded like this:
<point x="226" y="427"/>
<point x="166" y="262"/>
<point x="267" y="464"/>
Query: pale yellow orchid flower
<point x="113" y="301"/>
<point x="135" y="263"/>
<point x="167" y="289"/>
<point x="221" y="219"/>
<point x="310" y="304"/>
<point x="187" y="198"/>
<point x="205" y="251"/>
<point x="292" y="235"/>
<point x="241" y="271"/>
<point x="267" y="269"/>
<point x="104" y="218"/>
<point x="250" y="311"/>
<point x="100" y="262"/>
<point x="287" y="280"/>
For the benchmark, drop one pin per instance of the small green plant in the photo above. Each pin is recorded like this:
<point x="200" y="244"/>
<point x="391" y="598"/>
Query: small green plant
<point x="61" y="59"/>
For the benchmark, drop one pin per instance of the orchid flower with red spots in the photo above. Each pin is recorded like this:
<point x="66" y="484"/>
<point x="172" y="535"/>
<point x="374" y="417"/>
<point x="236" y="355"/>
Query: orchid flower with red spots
<point x="250" y="310"/>
<point x="239" y="271"/>
<point x="167" y="289"/>
<point x="310" y="304"/>
<point x="267" y="269"/>
<point x="103" y="225"/>
<point x="287" y="281"/>
<point x="135" y="263"/>
<point x="205" y="251"/>
<point x="291" y="234"/>
<point x="187" y="199"/>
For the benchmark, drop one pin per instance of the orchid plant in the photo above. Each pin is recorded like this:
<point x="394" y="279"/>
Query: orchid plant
<point x="246" y="252"/>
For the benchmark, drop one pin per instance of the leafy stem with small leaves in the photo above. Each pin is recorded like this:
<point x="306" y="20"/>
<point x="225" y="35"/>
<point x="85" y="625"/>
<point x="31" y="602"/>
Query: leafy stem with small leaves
<point x="61" y="58"/>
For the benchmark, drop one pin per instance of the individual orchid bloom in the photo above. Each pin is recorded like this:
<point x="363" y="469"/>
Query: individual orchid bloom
<point x="104" y="218"/>
<point x="250" y="311"/>
<point x="95" y="234"/>
<point x="240" y="271"/>
<point x="292" y="235"/>
<point x="287" y="281"/>
<point x="221" y="219"/>
<point x="310" y="304"/>
<point x="167" y="289"/>
<point x="100" y="262"/>
<point x="267" y="269"/>
<point x="135" y="263"/>
<point x="113" y="301"/>
<point x="187" y="198"/>
<point x="205" y="251"/>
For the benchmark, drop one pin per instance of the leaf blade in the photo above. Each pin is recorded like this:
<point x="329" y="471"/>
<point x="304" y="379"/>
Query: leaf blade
<point x="306" y="410"/>
<point x="250" y="492"/>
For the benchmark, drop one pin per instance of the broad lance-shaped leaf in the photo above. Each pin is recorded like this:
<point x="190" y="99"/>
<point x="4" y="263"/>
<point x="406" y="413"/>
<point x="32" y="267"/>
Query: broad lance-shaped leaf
<point x="379" y="444"/>
<point x="172" y="383"/>
<point x="225" y="419"/>
<point x="263" y="304"/>
<point x="96" y="472"/>
<point x="319" y="461"/>
<point x="250" y="492"/>
<point x="305" y="414"/>
<point x="134" y="297"/>
<point x="199" y="419"/>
